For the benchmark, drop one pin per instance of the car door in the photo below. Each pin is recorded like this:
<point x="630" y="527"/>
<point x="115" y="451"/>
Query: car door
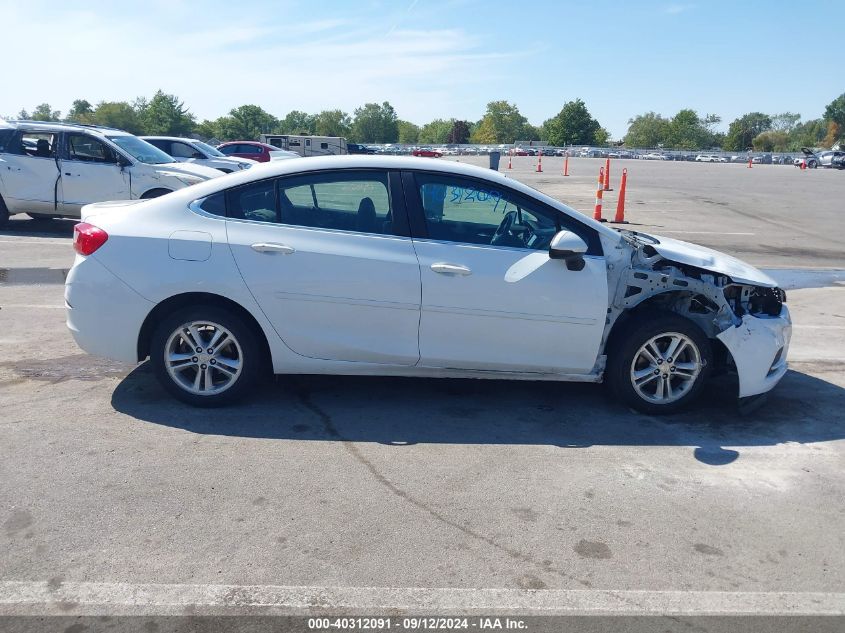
<point x="492" y="299"/>
<point x="328" y="257"/>
<point x="90" y="172"/>
<point x="30" y="172"/>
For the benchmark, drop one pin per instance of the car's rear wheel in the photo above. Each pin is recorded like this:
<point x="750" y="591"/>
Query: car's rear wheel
<point x="154" y="193"/>
<point x="206" y="356"/>
<point x="659" y="364"/>
<point x="811" y="164"/>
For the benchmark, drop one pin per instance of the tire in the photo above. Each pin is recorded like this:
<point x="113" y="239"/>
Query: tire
<point x="154" y="193"/>
<point x="629" y="357"/>
<point x="812" y="164"/>
<point x="4" y="214"/>
<point x="188" y="380"/>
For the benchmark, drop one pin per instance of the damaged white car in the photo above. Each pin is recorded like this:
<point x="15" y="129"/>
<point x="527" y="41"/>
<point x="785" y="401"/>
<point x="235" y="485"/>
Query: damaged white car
<point x="400" y="266"/>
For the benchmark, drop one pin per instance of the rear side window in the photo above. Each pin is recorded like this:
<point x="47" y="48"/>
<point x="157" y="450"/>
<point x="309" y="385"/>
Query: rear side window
<point x="163" y="145"/>
<point x="255" y="201"/>
<point x="215" y="204"/>
<point x="6" y="139"/>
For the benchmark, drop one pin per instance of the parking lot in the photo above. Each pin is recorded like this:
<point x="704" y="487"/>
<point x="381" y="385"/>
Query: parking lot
<point x="376" y="494"/>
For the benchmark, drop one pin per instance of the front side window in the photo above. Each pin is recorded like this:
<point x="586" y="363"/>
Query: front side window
<point x="345" y="201"/>
<point x="88" y="149"/>
<point x="475" y="212"/>
<point x="183" y="150"/>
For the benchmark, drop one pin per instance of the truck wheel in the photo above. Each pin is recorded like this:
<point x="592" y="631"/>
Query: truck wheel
<point x="659" y="364"/>
<point x="206" y="356"/>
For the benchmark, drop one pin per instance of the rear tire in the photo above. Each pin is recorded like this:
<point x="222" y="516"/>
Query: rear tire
<point x="4" y="214"/>
<point x="659" y="363"/>
<point x="154" y="193"/>
<point x="206" y="356"/>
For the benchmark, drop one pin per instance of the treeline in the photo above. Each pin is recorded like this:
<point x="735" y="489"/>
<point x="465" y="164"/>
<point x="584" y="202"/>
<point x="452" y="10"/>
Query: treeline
<point x="502" y="122"/>
<point x="166" y="114"/>
<point x="761" y="132"/>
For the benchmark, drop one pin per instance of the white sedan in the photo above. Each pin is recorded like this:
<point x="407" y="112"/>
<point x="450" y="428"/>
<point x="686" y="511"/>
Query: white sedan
<point x="373" y="265"/>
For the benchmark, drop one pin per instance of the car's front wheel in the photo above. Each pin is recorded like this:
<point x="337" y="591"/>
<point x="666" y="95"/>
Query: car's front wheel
<point x="659" y="364"/>
<point x="206" y="356"/>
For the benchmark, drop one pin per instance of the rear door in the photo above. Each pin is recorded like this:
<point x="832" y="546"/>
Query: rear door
<point x="90" y="172"/>
<point x="328" y="257"/>
<point x="30" y="172"/>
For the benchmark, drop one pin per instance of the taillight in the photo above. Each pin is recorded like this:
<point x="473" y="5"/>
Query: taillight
<point x="87" y="238"/>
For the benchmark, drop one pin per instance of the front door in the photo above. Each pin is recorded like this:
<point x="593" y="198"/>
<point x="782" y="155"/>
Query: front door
<point x="90" y="172"/>
<point x="492" y="298"/>
<point x="330" y="264"/>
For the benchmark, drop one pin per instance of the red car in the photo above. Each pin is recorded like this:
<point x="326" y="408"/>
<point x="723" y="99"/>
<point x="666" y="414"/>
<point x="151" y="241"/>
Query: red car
<point x="248" y="149"/>
<point x="426" y="152"/>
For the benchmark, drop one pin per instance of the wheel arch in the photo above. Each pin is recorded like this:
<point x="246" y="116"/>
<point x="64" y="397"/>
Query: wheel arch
<point x="177" y="302"/>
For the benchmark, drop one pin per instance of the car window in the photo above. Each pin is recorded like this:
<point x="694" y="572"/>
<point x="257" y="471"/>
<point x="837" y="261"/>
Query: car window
<point x="181" y="150"/>
<point x="248" y="149"/>
<point x="345" y="201"/>
<point x="228" y="149"/>
<point x="6" y="137"/>
<point x="86" y="148"/>
<point x="215" y="204"/>
<point x="162" y="144"/>
<point x="255" y="201"/>
<point x="474" y="212"/>
<point x="37" y="144"/>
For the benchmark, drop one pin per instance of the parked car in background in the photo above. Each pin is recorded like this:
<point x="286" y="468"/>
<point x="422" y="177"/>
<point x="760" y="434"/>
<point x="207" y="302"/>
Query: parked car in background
<point x="357" y="148"/>
<point x="705" y="158"/>
<point x="259" y="152"/>
<point x="188" y="150"/>
<point x="653" y="156"/>
<point x="427" y="152"/>
<point x="834" y="159"/>
<point x="370" y="265"/>
<point x="53" y="169"/>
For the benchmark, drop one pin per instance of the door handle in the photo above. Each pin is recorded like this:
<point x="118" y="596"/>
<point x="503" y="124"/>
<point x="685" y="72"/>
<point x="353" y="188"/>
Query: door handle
<point x="269" y="247"/>
<point x="450" y="269"/>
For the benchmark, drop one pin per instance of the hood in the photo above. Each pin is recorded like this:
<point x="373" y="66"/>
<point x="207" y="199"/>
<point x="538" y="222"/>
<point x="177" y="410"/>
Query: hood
<point x="807" y="151"/>
<point x="191" y="169"/>
<point x="714" y="261"/>
<point x="234" y="160"/>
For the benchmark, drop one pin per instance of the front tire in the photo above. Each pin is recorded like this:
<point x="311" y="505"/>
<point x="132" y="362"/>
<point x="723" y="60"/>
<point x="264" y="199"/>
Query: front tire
<point x="206" y="356"/>
<point x="659" y="364"/>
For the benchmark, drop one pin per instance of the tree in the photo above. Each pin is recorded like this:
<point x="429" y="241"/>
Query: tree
<point x="743" y="130"/>
<point x="501" y="123"/>
<point x="80" y="110"/>
<point x="602" y="137"/>
<point x="44" y="112"/>
<point x="409" y="133"/>
<point x="208" y="130"/>
<point x="807" y="134"/>
<point x="459" y="134"/>
<point x="647" y="130"/>
<point x="835" y="111"/>
<point x="297" y="122"/>
<point x="785" y="122"/>
<point x="533" y="133"/>
<point x="164" y="114"/>
<point x="771" y="141"/>
<point x="246" y="123"/>
<point x="573" y="125"/>
<point x="332" y="123"/>
<point x="436" y="132"/>
<point x="375" y="123"/>
<point x="117" y="114"/>
<point x="688" y="131"/>
<point x="833" y="135"/>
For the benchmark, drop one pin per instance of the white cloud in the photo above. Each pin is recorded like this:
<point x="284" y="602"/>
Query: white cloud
<point x="674" y="9"/>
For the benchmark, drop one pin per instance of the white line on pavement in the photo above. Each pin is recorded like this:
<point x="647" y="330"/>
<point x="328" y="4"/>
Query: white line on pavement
<point x="17" y="597"/>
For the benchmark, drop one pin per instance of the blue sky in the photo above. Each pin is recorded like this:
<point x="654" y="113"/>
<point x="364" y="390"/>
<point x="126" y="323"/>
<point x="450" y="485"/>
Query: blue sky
<point x="430" y="58"/>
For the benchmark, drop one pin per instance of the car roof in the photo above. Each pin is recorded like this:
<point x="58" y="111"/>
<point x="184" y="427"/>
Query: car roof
<point x="169" y="138"/>
<point x="247" y="143"/>
<point x="60" y="126"/>
<point x="276" y="168"/>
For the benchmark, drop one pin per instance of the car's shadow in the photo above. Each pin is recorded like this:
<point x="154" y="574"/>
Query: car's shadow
<point x="404" y="411"/>
<point x="39" y="227"/>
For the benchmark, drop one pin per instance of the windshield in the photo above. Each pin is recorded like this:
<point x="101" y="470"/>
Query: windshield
<point x="208" y="149"/>
<point x="141" y="150"/>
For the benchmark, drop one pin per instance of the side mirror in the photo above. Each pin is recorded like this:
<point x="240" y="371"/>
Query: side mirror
<point x="123" y="161"/>
<point x="197" y="155"/>
<point x="569" y="247"/>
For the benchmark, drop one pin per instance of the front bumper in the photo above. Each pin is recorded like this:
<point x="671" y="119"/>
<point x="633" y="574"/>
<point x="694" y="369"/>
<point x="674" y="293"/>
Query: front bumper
<point x="104" y="315"/>
<point x="759" y="346"/>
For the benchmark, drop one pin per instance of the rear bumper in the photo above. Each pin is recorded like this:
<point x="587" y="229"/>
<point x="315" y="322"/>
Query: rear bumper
<point x="104" y="315"/>
<point x="759" y="346"/>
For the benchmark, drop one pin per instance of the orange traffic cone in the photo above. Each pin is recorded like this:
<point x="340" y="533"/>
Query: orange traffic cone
<point x="619" y="218"/>
<point x="803" y="164"/>
<point x="749" y="163"/>
<point x="540" y="162"/>
<point x="597" y="210"/>
<point x="510" y="159"/>
<point x="607" y="175"/>
<point x="566" y="166"/>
